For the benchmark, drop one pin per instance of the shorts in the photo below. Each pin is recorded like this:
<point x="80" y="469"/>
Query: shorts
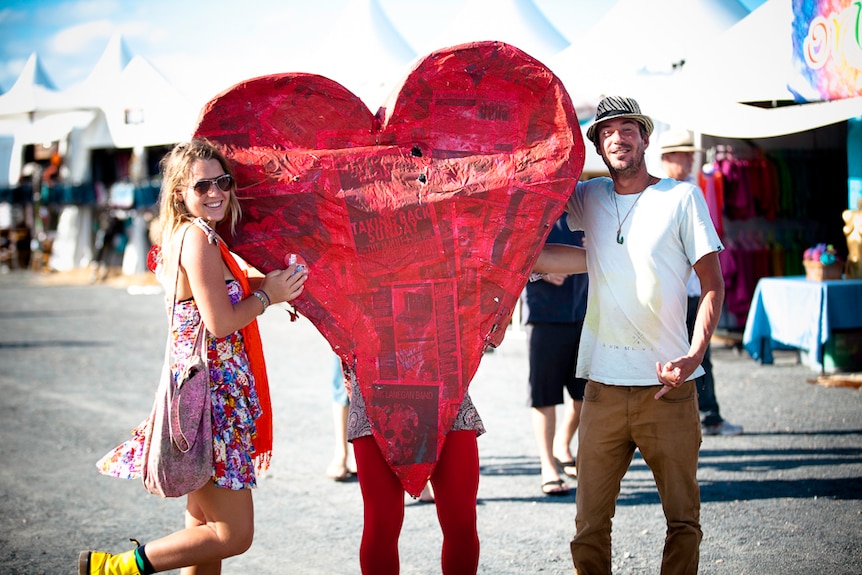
<point x="339" y="390"/>
<point x="553" y="350"/>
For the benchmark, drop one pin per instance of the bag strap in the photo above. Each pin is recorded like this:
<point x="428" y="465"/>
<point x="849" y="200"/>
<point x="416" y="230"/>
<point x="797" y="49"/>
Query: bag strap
<point x="199" y="350"/>
<point x="177" y="278"/>
<point x="198" y="345"/>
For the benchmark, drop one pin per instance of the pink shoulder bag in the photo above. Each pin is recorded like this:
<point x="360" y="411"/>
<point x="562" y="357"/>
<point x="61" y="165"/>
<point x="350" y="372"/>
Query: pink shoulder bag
<point x="178" y="449"/>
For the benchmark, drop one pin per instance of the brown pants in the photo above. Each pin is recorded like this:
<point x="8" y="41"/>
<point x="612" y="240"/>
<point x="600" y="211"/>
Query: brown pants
<point x="614" y="421"/>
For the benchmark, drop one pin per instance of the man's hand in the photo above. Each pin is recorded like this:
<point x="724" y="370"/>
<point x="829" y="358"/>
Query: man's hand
<point x="674" y="373"/>
<point x="666" y="374"/>
<point x="556" y="279"/>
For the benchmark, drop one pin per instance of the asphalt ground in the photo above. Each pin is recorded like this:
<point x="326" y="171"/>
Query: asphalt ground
<point x="79" y="365"/>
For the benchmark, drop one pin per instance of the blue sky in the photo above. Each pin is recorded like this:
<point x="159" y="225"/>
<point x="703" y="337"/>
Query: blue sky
<point x="185" y="39"/>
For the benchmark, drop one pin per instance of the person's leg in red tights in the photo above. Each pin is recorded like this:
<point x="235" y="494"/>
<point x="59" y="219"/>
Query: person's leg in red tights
<point x="456" y="483"/>
<point x="383" y="499"/>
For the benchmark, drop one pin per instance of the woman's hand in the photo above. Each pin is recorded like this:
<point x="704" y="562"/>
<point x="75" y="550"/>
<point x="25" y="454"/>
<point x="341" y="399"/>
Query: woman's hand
<point x="285" y="285"/>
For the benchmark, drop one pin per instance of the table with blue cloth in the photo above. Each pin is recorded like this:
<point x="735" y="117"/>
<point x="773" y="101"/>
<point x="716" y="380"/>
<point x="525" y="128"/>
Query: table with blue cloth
<point x="792" y="312"/>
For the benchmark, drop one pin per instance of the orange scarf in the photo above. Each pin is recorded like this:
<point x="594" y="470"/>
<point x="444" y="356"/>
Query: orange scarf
<point x="254" y="350"/>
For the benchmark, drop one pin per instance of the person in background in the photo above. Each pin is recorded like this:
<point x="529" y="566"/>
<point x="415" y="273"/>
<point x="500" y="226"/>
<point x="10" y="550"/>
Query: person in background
<point x="677" y="159"/>
<point x="339" y="469"/>
<point x="112" y="225"/>
<point x="645" y="236"/>
<point x="198" y="191"/>
<point x="555" y="309"/>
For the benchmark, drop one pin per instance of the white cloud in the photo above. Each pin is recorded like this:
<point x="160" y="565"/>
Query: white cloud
<point x="56" y="13"/>
<point x="82" y="37"/>
<point x="9" y="17"/>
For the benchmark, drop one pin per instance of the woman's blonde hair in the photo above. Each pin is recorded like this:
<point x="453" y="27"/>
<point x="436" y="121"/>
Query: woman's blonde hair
<point x="176" y="168"/>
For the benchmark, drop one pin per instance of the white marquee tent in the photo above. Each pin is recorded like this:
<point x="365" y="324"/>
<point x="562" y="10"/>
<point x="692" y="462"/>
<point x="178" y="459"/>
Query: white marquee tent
<point x="367" y="54"/>
<point x="516" y="22"/>
<point x="637" y="40"/>
<point x="34" y="112"/>
<point x="123" y="103"/>
<point x="363" y="52"/>
<point x="137" y="107"/>
<point x="34" y="97"/>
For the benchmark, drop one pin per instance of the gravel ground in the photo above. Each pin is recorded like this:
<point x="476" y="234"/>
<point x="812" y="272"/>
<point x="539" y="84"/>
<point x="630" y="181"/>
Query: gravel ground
<point x="79" y="364"/>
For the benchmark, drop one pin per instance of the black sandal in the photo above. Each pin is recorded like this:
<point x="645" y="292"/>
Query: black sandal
<point x="567" y="467"/>
<point x="562" y="488"/>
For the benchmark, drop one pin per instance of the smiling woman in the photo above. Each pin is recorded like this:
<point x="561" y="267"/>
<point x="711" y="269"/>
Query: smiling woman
<point x="207" y="197"/>
<point x="207" y="290"/>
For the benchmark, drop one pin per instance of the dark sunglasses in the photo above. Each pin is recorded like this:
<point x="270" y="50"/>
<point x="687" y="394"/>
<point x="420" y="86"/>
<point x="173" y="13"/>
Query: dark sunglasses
<point x="224" y="183"/>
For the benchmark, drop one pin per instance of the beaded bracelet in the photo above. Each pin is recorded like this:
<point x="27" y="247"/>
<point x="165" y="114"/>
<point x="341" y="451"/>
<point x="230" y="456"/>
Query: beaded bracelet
<point x="263" y="299"/>
<point x="266" y="295"/>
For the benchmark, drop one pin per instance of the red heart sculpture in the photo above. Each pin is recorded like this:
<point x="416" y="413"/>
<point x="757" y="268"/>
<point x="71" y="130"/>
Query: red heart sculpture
<point x="419" y="225"/>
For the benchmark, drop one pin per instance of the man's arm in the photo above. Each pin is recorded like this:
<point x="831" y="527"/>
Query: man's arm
<point x="675" y="373"/>
<point x="708" y="270"/>
<point x="561" y="259"/>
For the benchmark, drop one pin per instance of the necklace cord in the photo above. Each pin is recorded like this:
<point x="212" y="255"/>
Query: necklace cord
<point x="620" y="238"/>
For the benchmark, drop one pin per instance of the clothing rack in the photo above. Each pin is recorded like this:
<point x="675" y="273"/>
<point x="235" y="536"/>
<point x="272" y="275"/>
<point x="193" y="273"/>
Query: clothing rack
<point x="772" y="207"/>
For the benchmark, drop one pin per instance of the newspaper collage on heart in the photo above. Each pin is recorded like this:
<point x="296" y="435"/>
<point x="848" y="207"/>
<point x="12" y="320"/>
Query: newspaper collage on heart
<point x="419" y="225"/>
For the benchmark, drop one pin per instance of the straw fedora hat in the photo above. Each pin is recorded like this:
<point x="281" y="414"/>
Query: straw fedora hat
<point x="615" y="107"/>
<point x="677" y="141"/>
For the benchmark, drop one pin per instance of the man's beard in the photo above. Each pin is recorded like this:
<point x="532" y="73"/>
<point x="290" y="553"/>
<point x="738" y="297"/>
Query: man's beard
<point x="631" y="169"/>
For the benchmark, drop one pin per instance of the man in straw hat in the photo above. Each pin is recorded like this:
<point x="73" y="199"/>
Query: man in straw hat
<point x="677" y="159"/>
<point x="644" y="235"/>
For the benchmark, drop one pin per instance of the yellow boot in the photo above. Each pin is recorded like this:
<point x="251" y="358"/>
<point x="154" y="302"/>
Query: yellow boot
<point x="101" y="563"/>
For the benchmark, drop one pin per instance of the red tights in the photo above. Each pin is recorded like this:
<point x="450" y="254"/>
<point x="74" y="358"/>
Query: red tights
<point x="455" y="481"/>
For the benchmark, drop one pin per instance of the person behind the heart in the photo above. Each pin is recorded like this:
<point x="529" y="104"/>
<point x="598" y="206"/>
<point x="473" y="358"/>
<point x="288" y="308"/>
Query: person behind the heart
<point x="645" y="236"/>
<point x="198" y="191"/>
<point x="455" y="484"/>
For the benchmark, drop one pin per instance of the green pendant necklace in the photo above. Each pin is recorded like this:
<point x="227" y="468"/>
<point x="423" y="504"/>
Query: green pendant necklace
<point x="620" y="238"/>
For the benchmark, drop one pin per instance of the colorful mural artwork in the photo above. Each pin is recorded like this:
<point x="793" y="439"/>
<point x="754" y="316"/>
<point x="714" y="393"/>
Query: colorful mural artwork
<point x="827" y="49"/>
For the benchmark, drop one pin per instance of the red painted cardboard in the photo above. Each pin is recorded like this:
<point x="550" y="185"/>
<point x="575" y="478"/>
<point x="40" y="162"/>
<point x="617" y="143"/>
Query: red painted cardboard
<point x="419" y="224"/>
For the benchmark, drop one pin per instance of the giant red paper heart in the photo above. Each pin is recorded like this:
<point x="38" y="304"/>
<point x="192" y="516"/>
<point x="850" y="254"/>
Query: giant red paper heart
<point x="419" y="225"/>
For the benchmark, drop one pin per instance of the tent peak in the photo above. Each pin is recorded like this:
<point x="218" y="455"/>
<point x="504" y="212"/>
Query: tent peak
<point x="113" y="60"/>
<point x="34" y="74"/>
<point x="517" y="22"/>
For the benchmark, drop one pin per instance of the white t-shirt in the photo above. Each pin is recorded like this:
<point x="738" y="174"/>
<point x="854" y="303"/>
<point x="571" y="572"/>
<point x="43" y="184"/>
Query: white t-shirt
<point x="637" y="300"/>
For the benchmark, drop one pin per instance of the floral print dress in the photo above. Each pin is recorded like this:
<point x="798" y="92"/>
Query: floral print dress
<point x="235" y="404"/>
